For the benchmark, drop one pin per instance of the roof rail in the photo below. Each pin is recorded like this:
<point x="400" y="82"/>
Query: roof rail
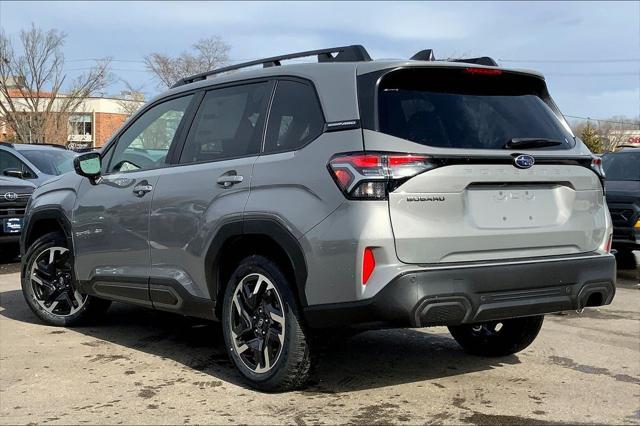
<point x="353" y="53"/>
<point x="427" y="55"/>
<point x="9" y="144"/>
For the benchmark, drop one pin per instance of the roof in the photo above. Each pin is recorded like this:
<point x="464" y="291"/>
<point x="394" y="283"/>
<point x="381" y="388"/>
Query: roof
<point x="33" y="147"/>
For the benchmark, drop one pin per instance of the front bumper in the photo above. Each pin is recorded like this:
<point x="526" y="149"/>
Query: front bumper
<point x="470" y="294"/>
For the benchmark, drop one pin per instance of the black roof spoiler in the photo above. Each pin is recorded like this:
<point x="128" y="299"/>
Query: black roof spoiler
<point x="353" y="53"/>
<point x="427" y="55"/>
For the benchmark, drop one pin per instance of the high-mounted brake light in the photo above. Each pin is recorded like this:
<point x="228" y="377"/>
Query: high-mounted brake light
<point x="483" y="71"/>
<point x="372" y="175"/>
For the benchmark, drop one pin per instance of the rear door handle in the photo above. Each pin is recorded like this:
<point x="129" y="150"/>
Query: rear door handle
<point x="142" y="188"/>
<point x="228" y="179"/>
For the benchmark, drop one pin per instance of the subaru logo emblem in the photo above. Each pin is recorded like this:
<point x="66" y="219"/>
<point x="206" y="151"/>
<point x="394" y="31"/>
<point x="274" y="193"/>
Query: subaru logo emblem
<point x="523" y="161"/>
<point x="10" y="196"/>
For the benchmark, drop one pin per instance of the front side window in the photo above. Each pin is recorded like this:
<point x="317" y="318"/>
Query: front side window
<point x="229" y="123"/>
<point x="145" y="144"/>
<point x="295" y="119"/>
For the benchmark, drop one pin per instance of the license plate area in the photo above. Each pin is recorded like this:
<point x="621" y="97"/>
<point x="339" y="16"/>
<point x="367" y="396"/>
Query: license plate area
<point x="12" y="225"/>
<point x="515" y="206"/>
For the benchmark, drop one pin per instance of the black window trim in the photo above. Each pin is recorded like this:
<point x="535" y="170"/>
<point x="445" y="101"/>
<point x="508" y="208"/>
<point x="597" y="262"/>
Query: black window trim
<point x="177" y="138"/>
<point x="180" y="148"/>
<point x="324" y="120"/>
<point x="273" y="80"/>
<point x="173" y="156"/>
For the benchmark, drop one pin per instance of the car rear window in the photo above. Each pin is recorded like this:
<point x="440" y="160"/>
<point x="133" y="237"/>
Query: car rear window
<point x="459" y="108"/>
<point x="622" y="166"/>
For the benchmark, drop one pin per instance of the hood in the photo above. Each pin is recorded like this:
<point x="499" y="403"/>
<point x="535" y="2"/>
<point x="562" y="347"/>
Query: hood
<point x="6" y="181"/>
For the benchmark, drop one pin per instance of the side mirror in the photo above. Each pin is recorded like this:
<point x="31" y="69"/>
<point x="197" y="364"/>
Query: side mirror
<point x="88" y="165"/>
<point x="16" y="173"/>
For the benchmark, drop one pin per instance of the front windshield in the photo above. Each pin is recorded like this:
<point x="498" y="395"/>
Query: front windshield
<point x="51" y="162"/>
<point x="622" y="166"/>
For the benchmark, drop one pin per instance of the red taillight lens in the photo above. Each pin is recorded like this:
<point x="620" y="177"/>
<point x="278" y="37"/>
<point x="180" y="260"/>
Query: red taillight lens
<point x="607" y="244"/>
<point x="483" y="71"/>
<point x="368" y="264"/>
<point x="596" y="166"/>
<point x="369" y="176"/>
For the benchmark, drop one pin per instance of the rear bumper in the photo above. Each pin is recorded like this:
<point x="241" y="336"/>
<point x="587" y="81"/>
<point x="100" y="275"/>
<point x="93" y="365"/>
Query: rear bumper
<point x="478" y="293"/>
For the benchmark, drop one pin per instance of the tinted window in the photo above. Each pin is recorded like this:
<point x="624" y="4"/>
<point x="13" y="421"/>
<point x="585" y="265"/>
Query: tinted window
<point x="51" y="162"/>
<point x="10" y="161"/>
<point x="145" y="144"/>
<point x="295" y="119"/>
<point x="457" y="109"/>
<point x="622" y="166"/>
<point x="229" y="123"/>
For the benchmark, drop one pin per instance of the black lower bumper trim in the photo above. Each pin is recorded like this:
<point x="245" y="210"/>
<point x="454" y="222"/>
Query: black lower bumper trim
<point x="478" y="294"/>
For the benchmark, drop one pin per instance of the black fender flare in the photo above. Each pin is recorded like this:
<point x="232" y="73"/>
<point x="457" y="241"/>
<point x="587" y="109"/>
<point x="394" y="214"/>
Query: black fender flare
<point x="47" y="212"/>
<point x="269" y="226"/>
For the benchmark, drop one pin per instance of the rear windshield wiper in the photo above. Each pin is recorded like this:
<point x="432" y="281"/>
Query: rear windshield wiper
<point x="523" y="143"/>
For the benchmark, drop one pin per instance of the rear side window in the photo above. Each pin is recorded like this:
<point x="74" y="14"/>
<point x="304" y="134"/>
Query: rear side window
<point x="295" y="119"/>
<point x="229" y="123"/>
<point x="455" y="108"/>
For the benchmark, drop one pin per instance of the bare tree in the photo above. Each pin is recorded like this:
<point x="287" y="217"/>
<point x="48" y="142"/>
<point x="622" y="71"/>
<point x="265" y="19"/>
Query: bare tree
<point x="32" y="101"/>
<point x="207" y="54"/>
<point x="131" y="99"/>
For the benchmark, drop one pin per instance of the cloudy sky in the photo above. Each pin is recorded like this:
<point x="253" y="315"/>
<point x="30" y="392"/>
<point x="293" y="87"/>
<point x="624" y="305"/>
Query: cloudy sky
<point x="590" y="52"/>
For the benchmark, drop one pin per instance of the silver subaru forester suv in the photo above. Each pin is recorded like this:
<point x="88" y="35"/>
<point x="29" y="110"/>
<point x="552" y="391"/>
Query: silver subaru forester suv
<point x="285" y="200"/>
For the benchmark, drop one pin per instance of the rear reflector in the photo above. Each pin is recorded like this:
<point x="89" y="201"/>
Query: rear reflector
<point x="483" y="71"/>
<point x="368" y="264"/>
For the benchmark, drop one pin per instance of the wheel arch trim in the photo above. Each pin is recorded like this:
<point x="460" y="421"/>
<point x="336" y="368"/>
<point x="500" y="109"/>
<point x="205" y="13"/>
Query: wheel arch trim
<point x="264" y="225"/>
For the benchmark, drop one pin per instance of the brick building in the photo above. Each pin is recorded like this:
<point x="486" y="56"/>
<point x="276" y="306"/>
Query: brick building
<point x="91" y="125"/>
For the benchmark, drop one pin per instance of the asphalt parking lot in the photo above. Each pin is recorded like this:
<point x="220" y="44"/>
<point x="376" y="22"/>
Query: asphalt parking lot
<point x="140" y="366"/>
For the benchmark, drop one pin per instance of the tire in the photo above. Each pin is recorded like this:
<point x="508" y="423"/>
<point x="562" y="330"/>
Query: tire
<point x="47" y="274"/>
<point x="259" y="304"/>
<point x="497" y="338"/>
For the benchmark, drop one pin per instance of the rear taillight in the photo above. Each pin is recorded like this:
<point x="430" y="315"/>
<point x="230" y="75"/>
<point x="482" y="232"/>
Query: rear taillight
<point x="371" y="176"/>
<point x="596" y="166"/>
<point x="607" y="244"/>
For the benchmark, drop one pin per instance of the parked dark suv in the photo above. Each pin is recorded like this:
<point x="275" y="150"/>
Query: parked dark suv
<point x="350" y="192"/>
<point x="623" y="198"/>
<point x="14" y="195"/>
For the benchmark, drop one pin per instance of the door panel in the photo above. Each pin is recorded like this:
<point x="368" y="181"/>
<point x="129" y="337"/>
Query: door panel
<point x="111" y="228"/>
<point x="111" y="219"/>
<point x="189" y="205"/>
<point x="211" y="184"/>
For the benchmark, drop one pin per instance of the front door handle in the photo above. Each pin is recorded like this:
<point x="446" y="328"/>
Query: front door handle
<point x="142" y="188"/>
<point x="230" y="178"/>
